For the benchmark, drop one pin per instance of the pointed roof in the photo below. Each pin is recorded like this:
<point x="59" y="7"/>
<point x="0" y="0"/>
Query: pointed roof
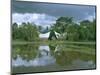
<point x="46" y="35"/>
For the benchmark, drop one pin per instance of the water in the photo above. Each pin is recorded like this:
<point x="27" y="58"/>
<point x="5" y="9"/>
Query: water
<point x="41" y="58"/>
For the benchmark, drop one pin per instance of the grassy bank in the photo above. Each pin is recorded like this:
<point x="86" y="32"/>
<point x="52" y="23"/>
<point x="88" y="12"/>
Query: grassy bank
<point x="84" y="47"/>
<point x="53" y="42"/>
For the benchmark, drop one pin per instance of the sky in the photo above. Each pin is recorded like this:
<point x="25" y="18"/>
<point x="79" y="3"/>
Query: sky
<point x="46" y="14"/>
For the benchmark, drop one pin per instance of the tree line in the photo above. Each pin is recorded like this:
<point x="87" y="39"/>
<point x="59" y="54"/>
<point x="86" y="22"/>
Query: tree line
<point x="25" y="32"/>
<point x="68" y="29"/>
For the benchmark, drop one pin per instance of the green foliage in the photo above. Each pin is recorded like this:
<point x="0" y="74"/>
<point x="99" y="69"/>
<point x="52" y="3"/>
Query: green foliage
<point x="62" y="23"/>
<point x="14" y="30"/>
<point x="52" y="35"/>
<point x="71" y="31"/>
<point x="68" y="29"/>
<point x="27" y="32"/>
<point x="87" y="30"/>
<point x="27" y="51"/>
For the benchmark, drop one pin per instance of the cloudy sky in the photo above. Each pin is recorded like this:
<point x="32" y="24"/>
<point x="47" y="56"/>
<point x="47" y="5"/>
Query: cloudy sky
<point x="45" y="14"/>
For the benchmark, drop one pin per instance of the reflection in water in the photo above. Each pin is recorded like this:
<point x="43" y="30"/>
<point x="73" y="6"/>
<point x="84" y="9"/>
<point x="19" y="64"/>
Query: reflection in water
<point x="44" y="50"/>
<point x="26" y="52"/>
<point x="62" y="55"/>
<point x="79" y="64"/>
<point x="66" y="56"/>
<point x="43" y="58"/>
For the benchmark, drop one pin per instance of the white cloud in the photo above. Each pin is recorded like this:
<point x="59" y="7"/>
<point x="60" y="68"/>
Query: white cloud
<point x="89" y="17"/>
<point x="38" y="19"/>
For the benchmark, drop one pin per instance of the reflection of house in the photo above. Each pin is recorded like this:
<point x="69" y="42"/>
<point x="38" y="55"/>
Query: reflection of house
<point x="47" y="35"/>
<point x="44" y="50"/>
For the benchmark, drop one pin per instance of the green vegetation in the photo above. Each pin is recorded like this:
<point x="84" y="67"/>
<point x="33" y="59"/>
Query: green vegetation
<point x="69" y="30"/>
<point x="25" y="32"/>
<point x="65" y="26"/>
<point x="27" y="52"/>
<point x="65" y="56"/>
<point x="52" y="34"/>
<point x="76" y="43"/>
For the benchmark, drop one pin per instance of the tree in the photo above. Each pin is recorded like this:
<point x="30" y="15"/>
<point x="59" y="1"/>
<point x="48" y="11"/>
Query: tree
<point x="26" y="52"/>
<point x="26" y="31"/>
<point x="87" y="30"/>
<point x="52" y="35"/>
<point x="72" y="32"/>
<point x="67" y="28"/>
<point x="14" y="30"/>
<point x="62" y="23"/>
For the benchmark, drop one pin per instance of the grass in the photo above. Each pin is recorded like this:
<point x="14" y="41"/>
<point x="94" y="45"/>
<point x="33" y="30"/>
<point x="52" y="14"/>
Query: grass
<point x="53" y="42"/>
<point x="82" y="50"/>
<point x="85" y="47"/>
